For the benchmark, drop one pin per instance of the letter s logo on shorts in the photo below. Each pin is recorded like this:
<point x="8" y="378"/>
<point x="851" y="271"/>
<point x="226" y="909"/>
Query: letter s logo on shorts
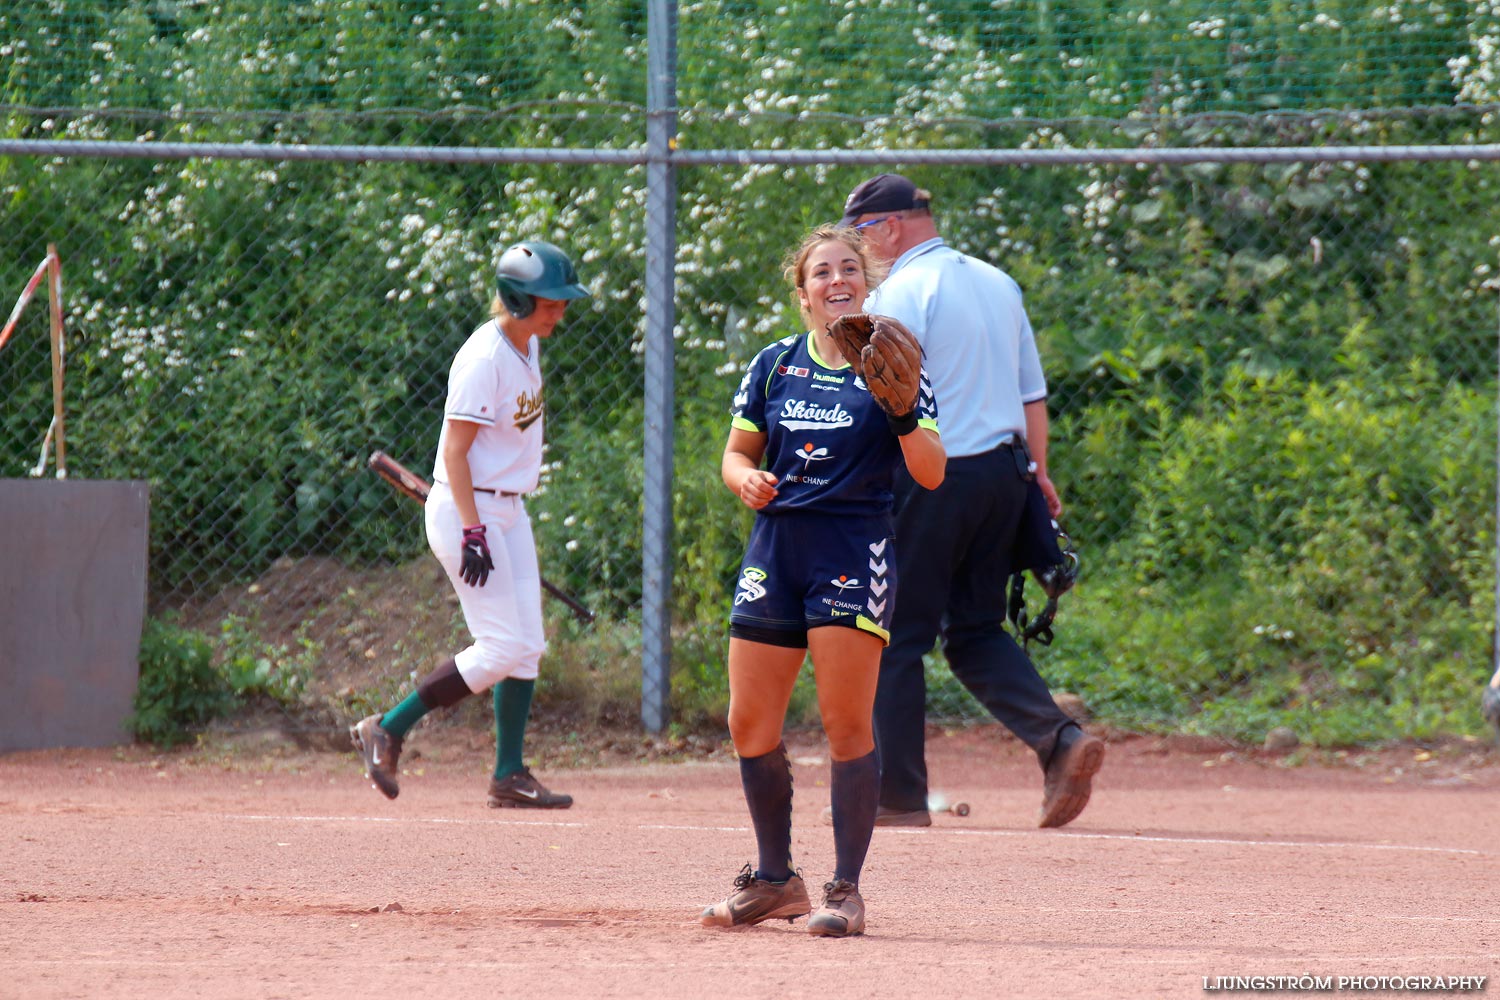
<point x="750" y="588"/>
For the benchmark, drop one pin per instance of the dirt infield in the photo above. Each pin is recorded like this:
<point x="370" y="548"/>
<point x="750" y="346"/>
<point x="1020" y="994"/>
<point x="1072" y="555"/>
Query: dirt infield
<point x="127" y="874"/>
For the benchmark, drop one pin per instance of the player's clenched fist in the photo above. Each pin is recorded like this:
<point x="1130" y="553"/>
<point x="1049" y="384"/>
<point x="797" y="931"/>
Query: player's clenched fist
<point x="758" y="489"/>
<point x="476" y="557"/>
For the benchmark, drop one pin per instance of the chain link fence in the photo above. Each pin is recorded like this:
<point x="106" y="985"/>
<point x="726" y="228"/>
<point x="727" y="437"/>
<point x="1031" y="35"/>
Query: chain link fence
<point x="983" y="59"/>
<point x="1273" y="377"/>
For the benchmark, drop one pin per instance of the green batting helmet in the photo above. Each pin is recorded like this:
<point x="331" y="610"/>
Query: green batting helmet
<point x="531" y="270"/>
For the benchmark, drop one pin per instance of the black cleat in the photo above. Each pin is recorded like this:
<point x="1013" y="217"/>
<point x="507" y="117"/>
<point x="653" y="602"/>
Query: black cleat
<point x="521" y="790"/>
<point x="842" y="913"/>
<point x="755" y="900"/>
<point x="381" y="752"/>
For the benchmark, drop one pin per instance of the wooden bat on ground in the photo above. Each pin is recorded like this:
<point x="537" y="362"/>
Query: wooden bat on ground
<point x="409" y="484"/>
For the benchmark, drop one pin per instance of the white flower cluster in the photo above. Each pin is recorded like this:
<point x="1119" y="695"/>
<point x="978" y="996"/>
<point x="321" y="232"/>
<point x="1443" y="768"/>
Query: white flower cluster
<point x="1213" y="27"/>
<point x="1412" y="15"/>
<point x="1320" y="21"/>
<point x="437" y="260"/>
<point x="1274" y="632"/>
<point x="1477" y="74"/>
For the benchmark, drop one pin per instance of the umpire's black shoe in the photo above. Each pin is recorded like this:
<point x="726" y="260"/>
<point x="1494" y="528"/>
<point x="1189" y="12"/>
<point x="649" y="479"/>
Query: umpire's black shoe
<point x="521" y="790"/>
<point x="842" y="913"/>
<point x="381" y="752"/>
<point x="902" y="817"/>
<point x="755" y="900"/>
<point x="1070" y="780"/>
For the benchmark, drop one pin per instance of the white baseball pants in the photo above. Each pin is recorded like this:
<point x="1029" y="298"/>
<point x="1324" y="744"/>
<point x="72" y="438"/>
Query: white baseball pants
<point x="505" y="615"/>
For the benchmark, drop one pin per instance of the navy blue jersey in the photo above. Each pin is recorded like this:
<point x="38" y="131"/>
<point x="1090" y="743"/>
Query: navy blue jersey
<point x="827" y="441"/>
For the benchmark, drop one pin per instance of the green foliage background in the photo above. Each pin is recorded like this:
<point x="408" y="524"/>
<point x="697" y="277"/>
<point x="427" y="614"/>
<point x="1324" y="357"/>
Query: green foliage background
<point x="1273" y="385"/>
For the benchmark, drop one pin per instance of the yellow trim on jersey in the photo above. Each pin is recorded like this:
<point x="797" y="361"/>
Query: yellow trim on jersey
<point x="867" y="625"/>
<point x="741" y="424"/>
<point x="931" y="425"/>
<point x="812" y="349"/>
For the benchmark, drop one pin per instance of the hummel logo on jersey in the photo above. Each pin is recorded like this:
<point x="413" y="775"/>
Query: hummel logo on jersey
<point x="528" y="409"/>
<point x="799" y="415"/>
<point x="876" y="604"/>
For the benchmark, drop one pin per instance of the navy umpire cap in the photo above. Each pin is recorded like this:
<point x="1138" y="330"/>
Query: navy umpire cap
<point x="881" y="193"/>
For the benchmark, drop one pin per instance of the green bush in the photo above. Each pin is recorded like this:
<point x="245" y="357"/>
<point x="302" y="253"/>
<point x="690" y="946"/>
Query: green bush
<point x="1306" y="555"/>
<point x="180" y="690"/>
<point x="252" y="667"/>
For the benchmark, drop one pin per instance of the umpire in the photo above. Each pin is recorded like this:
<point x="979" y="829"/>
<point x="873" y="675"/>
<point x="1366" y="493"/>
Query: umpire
<point x="956" y="542"/>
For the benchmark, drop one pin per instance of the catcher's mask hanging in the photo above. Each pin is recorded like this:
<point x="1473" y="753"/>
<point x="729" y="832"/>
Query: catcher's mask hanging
<point x="1043" y="548"/>
<point x="531" y="270"/>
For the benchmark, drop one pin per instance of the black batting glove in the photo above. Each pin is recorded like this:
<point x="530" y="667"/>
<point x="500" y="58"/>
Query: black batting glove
<point x="476" y="557"/>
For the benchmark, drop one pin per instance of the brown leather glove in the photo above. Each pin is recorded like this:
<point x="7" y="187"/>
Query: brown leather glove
<point x="884" y="353"/>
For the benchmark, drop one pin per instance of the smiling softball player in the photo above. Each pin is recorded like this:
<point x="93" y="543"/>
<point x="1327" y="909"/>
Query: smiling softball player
<point x="813" y="449"/>
<point x="489" y="456"/>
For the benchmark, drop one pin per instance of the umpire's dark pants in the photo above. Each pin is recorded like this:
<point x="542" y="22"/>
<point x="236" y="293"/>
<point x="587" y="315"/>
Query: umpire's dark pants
<point x="953" y="558"/>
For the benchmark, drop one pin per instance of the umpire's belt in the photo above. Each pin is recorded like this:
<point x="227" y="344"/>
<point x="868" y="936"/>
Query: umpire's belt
<point x="486" y="489"/>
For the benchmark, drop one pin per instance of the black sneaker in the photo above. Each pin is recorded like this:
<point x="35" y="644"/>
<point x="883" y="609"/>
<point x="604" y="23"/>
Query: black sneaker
<point x="1070" y="780"/>
<point x="842" y="913"/>
<point x="381" y="752"/>
<point x="521" y="790"/>
<point x="754" y="900"/>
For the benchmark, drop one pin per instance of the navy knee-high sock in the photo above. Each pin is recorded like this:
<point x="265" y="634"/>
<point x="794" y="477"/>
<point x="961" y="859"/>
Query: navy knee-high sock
<point x="855" y="794"/>
<point x="768" y="793"/>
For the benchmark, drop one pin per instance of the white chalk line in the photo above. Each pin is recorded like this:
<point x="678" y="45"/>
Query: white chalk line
<point x="1333" y="845"/>
<point x="436" y="820"/>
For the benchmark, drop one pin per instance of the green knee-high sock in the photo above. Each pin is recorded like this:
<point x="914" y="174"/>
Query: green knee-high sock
<point x="405" y="715"/>
<point x="512" y="709"/>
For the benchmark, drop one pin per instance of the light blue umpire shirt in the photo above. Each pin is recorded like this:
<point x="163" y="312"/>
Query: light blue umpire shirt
<point x="980" y="352"/>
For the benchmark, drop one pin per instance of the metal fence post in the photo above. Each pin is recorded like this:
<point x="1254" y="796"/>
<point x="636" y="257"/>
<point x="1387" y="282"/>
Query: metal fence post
<point x="661" y="220"/>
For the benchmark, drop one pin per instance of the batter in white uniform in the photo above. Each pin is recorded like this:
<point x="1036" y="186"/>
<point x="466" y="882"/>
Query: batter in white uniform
<point x="489" y="457"/>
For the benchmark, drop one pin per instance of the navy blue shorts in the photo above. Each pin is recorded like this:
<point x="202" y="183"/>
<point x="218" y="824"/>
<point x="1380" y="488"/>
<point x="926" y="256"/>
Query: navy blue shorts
<point x="804" y="570"/>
